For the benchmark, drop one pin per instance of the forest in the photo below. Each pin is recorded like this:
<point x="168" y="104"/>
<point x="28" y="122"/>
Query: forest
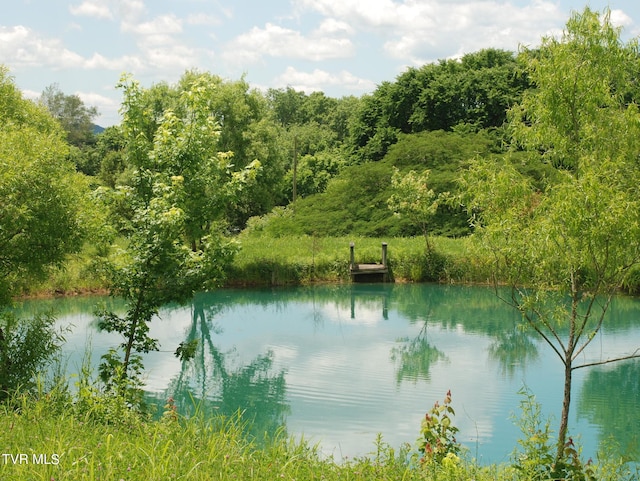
<point x="493" y="167"/>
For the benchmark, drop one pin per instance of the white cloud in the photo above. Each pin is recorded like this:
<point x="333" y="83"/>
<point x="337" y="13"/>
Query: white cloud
<point x="424" y="31"/>
<point x="130" y="11"/>
<point x="91" y="8"/>
<point x="160" y="45"/>
<point x="103" y="103"/>
<point x="171" y="58"/>
<point x="202" y="19"/>
<point x="331" y="26"/>
<point x="277" y="41"/>
<point x="620" y="18"/>
<point x="21" y="46"/>
<point x="162" y="26"/>
<point x="373" y="13"/>
<point x="31" y="94"/>
<point x="124" y="63"/>
<point x="319" y="80"/>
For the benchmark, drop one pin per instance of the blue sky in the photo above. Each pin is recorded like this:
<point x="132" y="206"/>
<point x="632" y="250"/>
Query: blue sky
<point x="341" y="47"/>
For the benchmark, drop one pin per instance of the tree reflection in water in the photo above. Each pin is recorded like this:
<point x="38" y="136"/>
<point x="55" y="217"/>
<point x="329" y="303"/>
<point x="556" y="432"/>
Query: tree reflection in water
<point x="513" y="348"/>
<point x="415" y="357"/>
<point x="209" y="385"/>
<point x="617" y="388"/>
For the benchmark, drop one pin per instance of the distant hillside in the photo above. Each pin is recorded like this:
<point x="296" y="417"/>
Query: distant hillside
<point x="97" y="129"/>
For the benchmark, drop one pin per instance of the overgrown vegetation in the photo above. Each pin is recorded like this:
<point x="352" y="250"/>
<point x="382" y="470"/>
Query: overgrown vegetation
<point x="56" y="435"/>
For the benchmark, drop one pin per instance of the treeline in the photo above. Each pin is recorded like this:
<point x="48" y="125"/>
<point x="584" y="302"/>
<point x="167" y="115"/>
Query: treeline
<point x="309" y="144"/>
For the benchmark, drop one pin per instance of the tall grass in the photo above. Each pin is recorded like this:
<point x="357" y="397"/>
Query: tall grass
<point x="60" y="444"/>
<point x="307" y="259"/>
<point x="49" y="438"/>
<point x="302" y="259"/>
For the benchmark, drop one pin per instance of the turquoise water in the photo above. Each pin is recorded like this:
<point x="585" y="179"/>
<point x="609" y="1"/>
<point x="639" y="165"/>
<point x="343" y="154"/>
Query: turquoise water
<point x="340" y="364"/>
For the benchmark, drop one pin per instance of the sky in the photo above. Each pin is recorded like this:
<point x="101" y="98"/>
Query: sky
<point x="339" y="47"/>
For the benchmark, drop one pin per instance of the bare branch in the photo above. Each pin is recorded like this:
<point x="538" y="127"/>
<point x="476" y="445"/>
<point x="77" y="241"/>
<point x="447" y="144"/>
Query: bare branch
<point x="634" y="355"/>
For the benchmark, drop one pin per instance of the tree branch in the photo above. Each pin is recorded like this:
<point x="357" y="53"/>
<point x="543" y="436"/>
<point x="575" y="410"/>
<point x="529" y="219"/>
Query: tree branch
<point x="634" y="355"/>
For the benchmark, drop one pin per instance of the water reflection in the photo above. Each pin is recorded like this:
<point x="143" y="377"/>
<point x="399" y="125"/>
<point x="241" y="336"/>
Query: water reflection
<point x="343" y="363"/>
<point x="513" y="349"/>
<point x="609" y="398"/>
<point x="210" y="384"/>
<point x="415" y="357"/>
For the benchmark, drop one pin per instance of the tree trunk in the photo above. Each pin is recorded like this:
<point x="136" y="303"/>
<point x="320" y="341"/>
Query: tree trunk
<point x="135" y="318"/>
<point x="566" y="402"/>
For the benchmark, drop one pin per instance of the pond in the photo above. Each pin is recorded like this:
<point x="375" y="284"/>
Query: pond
<point x="340" y="364"/>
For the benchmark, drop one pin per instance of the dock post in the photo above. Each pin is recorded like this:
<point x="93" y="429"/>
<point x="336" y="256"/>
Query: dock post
<point x="384" y="254"/>
<point x="352" y="259"/>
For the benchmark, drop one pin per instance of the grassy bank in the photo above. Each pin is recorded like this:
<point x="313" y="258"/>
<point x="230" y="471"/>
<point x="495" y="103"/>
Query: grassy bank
<point x="92" y="436"/>
<point x="49" y="439"/>
<point x="292" y="260"/>
<point x="299" y="260"/>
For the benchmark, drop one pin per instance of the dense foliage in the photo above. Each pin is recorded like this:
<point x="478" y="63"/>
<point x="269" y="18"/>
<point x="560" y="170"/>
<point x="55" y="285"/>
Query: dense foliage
<point x="44" y="216"/>
<point x="567" y="246"/>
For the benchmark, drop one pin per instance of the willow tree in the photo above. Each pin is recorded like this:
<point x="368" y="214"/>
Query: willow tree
<point x="566" y="248"/>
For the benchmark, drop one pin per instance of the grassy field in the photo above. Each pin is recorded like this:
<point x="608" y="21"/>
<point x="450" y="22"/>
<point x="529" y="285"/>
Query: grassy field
<point x="50" y="440"/>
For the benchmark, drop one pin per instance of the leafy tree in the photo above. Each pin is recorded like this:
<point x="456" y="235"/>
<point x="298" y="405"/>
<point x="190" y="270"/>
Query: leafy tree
<point x="314" y="128"/>
<point x="286" y="105"/>
<point x="476" y="90"/>
<point x="74" y="116"/>
<point x="109" y="154"/>
<point x="413" y="198"/>
<point x="43" y="218"/>
<point x="26" y="346"/>
<point x="566" y="248"/>
<point x="41" y="212"/>
<point x="244" y="128"/>
<point x="314" y="173"/>
<point x="77" y="121"/>
<point x="178" y="187"/>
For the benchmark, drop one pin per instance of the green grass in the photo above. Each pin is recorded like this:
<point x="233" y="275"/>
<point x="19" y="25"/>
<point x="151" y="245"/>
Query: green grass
<point x="292" y="260"/>
<point x="301" y="259"/>
<point x="57" y="436"/>
<point x="79" y="448"/>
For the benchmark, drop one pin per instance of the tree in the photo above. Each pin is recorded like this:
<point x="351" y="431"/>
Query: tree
<point x="74" y="116"/>
<point x="565" y="248"/>
<point x="178" y="188"/>
<point x="43" y="218"/>
<point x="413" y="198"/>
<point x="476" y="90"/>
<point x="42" y="198"/>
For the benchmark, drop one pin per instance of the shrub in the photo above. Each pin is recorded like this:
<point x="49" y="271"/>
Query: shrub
<point x="438" y="443"/>
<point x="26" y="347"/>
<point x="536" y="458"/>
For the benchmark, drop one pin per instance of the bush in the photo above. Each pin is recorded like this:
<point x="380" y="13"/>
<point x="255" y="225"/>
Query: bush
<point x="27" y="346"/>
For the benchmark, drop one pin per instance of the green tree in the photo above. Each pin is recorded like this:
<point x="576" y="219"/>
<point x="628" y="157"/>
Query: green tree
<point x="178" y="188"/>
<point x="42" y="198"/>
<point x="413" y="198"/>
<point x="476" y="90"/>
<point x="74" y="116"/>
<point x="566" y="247"/>
<point x="43" y="217"/>
<point x="77" y="121"/>
<point x="109" y="155"/>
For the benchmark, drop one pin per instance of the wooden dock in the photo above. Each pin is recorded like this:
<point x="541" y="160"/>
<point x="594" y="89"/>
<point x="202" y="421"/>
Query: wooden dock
<point x="369" y="272"/>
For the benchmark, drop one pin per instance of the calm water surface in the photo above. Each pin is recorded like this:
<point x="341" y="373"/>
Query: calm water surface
<point x="340" y="364"/>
